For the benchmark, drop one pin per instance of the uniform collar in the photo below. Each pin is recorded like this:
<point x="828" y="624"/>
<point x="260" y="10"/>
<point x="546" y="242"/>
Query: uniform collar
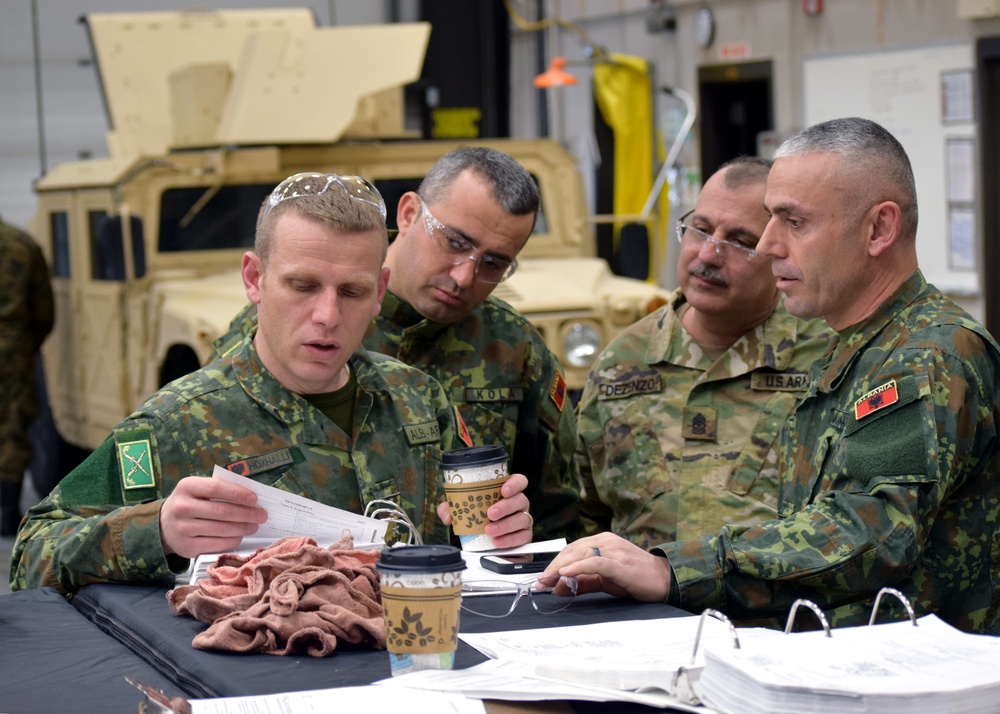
<point x="852" y="340"/>
<point x="769" y="344"/>
<point x="288" y="407"/>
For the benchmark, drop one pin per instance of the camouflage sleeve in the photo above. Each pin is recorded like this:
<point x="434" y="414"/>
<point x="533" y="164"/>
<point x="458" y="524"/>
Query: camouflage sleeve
<point x="42" y="312"/>
<point x="67" y="542"/>
<point x="595" y="514"/>
<point x="543" y="451"/>
<point x="858" y="510"/>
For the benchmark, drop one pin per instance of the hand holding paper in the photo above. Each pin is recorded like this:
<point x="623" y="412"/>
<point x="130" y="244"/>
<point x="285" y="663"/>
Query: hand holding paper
<point x="291" y="514"/>
<point x="286" y="514"/>
<point x="208" y="515"/>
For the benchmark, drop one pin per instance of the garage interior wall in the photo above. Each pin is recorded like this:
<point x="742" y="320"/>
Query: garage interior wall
<point x="72" y="122"/>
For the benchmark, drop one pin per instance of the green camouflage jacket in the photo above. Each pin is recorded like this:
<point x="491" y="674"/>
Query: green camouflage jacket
<point x="495" y="367"/>
<point x="890" y="477"/>
<point x="507" y="385"/>
<point x="672" y="444"/>
<point x="26" y="316"/>
<point x="101" y="523"/>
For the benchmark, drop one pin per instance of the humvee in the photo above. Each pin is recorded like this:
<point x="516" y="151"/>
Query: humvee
<point x="209" y="111"/>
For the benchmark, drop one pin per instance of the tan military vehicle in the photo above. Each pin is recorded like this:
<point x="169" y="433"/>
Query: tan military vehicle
<point x="209" y="112"/>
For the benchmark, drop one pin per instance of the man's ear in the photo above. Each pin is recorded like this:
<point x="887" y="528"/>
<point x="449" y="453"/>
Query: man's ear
<point x="383" y="285"/>
<point x="884" y="224"/>
<point x="253" y="273"/>
<point x="407" y="212"/>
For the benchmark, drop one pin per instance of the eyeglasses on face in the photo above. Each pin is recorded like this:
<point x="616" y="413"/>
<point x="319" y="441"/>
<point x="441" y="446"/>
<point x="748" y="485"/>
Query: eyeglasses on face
<point x="489" y="268"/>
<point x="539" y="592"/>
<point x="696" y="237"/>
<point x="310" y="183"/>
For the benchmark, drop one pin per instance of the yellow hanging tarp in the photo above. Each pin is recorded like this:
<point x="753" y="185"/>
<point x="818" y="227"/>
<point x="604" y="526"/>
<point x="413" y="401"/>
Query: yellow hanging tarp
<point x="623" y="91"/>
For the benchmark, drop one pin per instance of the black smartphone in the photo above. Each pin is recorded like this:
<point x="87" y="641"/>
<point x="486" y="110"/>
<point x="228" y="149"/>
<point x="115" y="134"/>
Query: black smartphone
<point x="517" y="563"/>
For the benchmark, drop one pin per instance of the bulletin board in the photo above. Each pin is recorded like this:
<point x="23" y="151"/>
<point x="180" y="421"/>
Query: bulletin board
<point x="925" y="98"/>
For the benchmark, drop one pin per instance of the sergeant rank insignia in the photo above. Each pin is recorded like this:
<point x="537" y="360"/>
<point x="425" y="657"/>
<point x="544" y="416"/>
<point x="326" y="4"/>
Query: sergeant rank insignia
<point x="136" y="461"/>
<point x="878" y="398"/>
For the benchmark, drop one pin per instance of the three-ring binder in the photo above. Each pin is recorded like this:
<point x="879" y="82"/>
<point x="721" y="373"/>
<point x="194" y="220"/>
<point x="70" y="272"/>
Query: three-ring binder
<point x="684" y="683"/>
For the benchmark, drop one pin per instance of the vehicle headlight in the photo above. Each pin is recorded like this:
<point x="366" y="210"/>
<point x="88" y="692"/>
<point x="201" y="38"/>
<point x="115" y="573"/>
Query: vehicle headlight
<point x="581" y="343"/>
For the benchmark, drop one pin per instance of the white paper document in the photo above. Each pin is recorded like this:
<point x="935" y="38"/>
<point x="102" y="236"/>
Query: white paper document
<point x="342" y="699"/>
<point x="632" y="660"/>
<point x="516" y="681"/>
<point x="289" y="514"/>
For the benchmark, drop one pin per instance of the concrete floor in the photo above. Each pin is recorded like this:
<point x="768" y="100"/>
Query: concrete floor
<point x="28" y="498"/>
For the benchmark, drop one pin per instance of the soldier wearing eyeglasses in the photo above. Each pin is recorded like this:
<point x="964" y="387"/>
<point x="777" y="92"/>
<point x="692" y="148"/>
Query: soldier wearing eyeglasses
<point x="297" y="405"/>
<point x="459" y="236"/>
<point x="678" y="420"/>
<point x="890" y="463"/>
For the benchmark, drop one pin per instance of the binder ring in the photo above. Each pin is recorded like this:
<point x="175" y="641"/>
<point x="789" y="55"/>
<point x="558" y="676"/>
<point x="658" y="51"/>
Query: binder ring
<point x="682" y="685"/>
<point x="816" y="611"/>
<point x="900" y="596"/>
<point x="391" y="512"/>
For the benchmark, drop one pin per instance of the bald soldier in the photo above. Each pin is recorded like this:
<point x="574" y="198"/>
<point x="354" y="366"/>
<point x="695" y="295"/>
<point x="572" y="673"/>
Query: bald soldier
<point x="678" y="422"/>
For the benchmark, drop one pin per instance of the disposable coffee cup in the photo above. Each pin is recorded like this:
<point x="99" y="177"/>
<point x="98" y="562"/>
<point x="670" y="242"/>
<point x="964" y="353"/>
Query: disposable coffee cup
<point x="472" y="481"/>
<point x="421" y="598"/>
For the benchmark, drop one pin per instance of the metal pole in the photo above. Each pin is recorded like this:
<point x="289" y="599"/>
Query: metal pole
<point x="39" y="104"/>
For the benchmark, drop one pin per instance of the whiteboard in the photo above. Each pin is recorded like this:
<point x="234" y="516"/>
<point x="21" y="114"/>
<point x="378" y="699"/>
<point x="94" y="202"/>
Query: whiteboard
<point x="903" y="91"/>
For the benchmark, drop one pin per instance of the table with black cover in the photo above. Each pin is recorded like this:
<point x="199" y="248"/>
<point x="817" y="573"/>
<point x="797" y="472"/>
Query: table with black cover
<point x="52" y="659"/>
<point x="139" y="616"/>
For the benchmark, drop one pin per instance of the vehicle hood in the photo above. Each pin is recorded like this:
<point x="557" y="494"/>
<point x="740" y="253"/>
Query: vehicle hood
<point x="206" y="305"/>
<point x="569" y="284"/>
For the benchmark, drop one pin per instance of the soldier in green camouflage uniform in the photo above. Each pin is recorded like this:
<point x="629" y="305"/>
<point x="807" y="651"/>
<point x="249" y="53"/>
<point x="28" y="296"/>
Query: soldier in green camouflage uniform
<point x="26" y="316"/>
<point x="675" y="438"/>
<point x="891" y="464"/>
<point x="438" y="315"/>
<point x="294" y="407"/>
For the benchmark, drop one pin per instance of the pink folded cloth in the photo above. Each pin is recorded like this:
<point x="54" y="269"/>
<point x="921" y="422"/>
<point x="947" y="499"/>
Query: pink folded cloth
<point x="291" y="597"/>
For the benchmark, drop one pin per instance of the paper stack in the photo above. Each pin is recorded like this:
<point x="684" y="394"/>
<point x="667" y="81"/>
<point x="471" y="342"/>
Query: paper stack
<point x="899" y="667"/>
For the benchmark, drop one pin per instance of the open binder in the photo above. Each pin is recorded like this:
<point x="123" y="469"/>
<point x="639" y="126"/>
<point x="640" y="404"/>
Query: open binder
<point x="915" y="665"/>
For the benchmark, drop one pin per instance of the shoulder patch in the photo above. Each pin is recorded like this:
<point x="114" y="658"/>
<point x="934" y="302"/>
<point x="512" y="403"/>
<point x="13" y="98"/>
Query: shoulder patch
<point x="557" y="392"/>
<point x="136" y="461"/>
<point x="463" y="430"/>
<point x="876" y="399"/>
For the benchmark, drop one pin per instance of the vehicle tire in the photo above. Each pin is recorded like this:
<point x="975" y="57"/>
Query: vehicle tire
<point x="52" y="457"/>
<point x="180" y="360"/>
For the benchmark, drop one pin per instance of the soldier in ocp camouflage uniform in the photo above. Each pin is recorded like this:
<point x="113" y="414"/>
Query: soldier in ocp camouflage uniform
<point x="294" y="406"/>
<point x="438" y="315"/>
<point x="26" y="316"/>
<point x="677" y="434"/>
<point x="891" y="464"/>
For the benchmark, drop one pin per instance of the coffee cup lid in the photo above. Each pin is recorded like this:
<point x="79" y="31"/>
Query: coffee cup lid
<point x="421" y="558"/>
<point x="473" y="456"/>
